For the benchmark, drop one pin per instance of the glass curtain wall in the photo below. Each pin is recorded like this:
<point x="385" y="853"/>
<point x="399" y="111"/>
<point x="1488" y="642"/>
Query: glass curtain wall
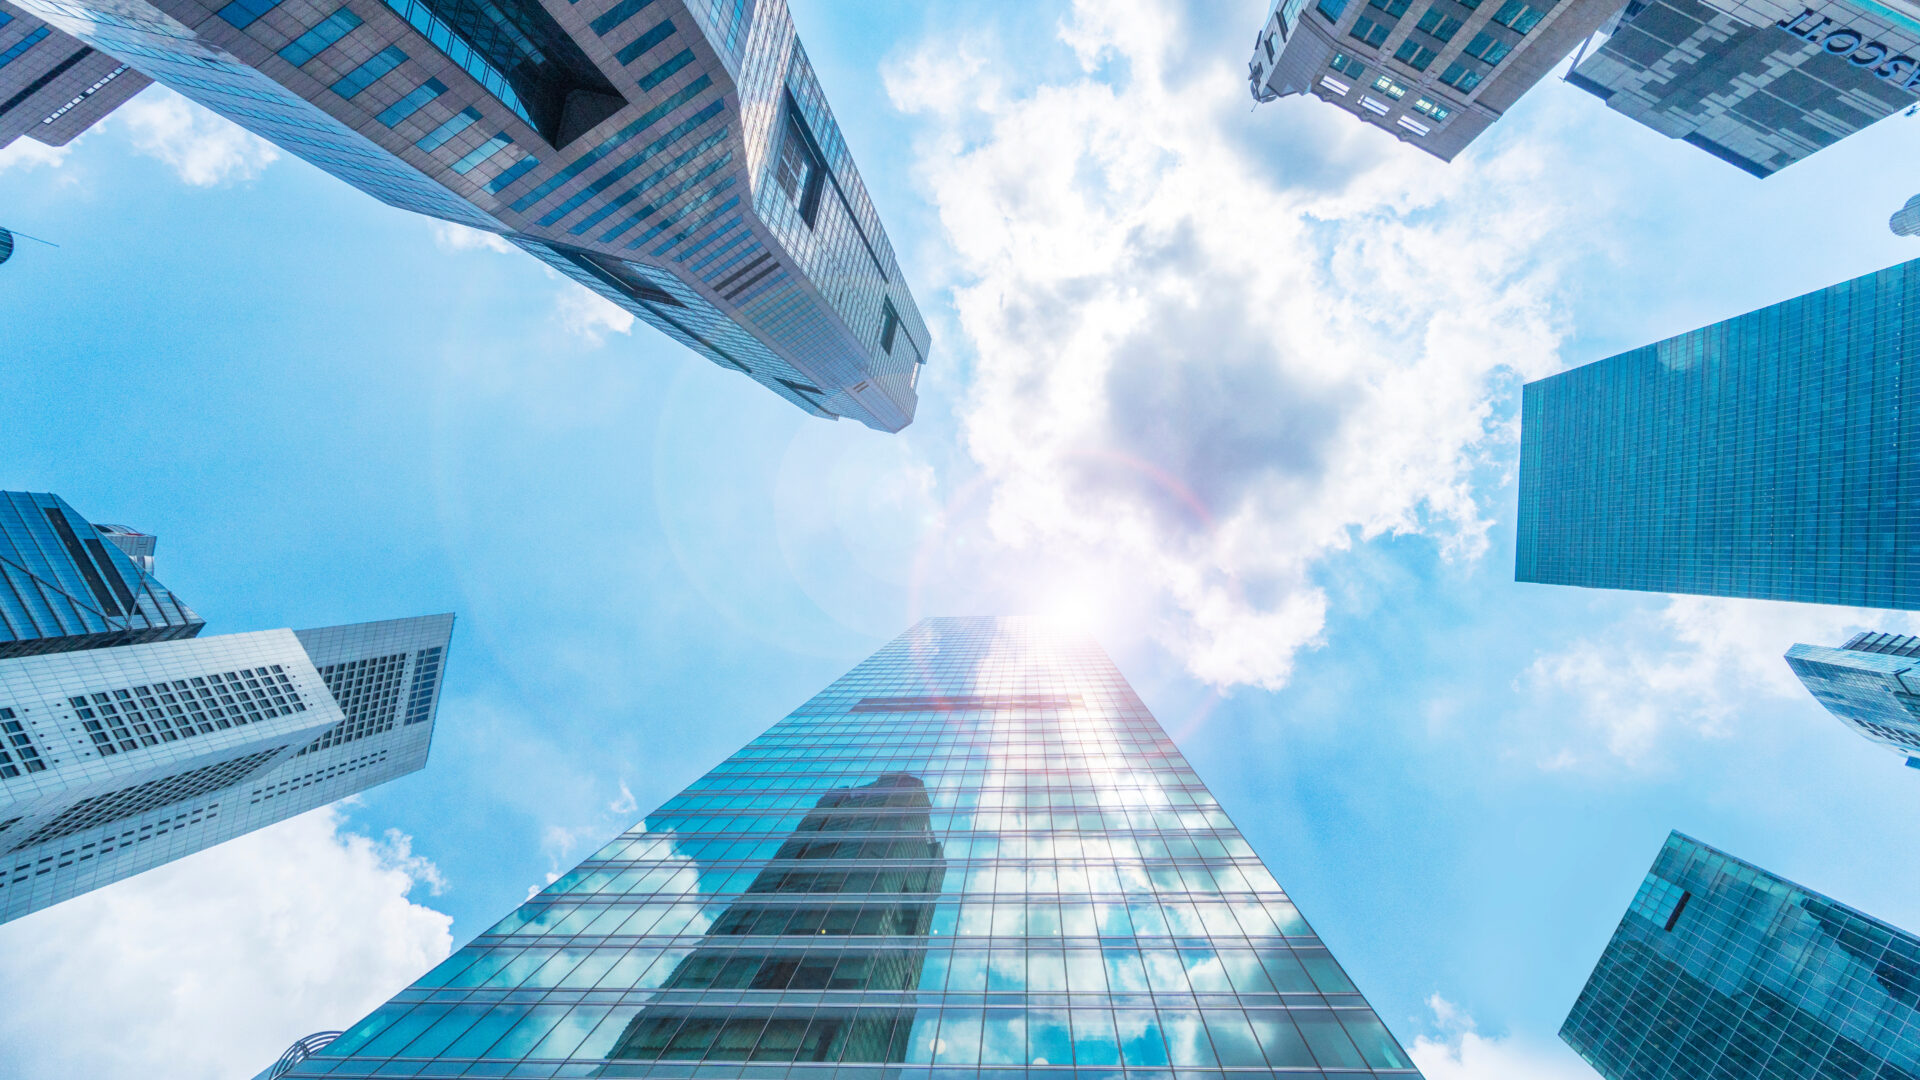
<point x="975" y="855"/>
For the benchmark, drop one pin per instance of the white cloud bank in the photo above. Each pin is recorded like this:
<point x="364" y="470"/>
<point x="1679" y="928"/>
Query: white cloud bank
<point x="208" y="967"/>
<point x="1462" y="1053"/>
<point x="1198" y="372"/>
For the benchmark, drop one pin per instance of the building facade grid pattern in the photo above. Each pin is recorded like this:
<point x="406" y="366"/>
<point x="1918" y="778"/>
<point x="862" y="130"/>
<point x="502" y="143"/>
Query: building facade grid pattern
<point x="976" y="854"/>
<point x="1767" y="456"/>
<point x="1722" y="971"/>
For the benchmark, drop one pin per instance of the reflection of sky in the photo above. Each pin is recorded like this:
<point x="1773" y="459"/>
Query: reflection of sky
<point x="326" y="417"/>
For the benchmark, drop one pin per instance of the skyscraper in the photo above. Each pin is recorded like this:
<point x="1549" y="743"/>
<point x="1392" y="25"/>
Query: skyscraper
<point x="1872" y="684"/>
<point x="976" y="851"/>
<point x="676" y="157"/>
<point x="1758" y="84"/>
<point x="53" y="87"/>
<point x="1435" y="79"/>
<point x="1770" y="456"/>
<point x="1722" y="971"/>
<point x="127" y="740"/>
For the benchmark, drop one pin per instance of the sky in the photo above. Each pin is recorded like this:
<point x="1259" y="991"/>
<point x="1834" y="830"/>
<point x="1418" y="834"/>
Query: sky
<point x="1234" y="388"/>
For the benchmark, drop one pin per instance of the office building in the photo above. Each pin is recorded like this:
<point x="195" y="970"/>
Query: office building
<point x="1722" y="971"/>
<point x="53" y="87"/>
<point x="1872" y="683"/>
<point x="676" y="157"/>
<point x="1758" y="84"/>
<point x="1766" y="456"/>
<point x="127" y="740"/>
<point x="1433" y="74"/>
<point x="975" y="852"/>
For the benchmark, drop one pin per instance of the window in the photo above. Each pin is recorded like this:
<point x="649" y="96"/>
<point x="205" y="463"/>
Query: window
<point x="889" y="324"/>
<point x="1378" y="108"/>
<point x="1348" y="66"/>
<point x="363" y="76"/>
<point x="481" y="153"/>
<point x="801" y="170"/>
<point x="242" y="13"/>
<point x="1460" y="77"/>
<point x="23" y="45"/>
<point x="1267" y="42"/>
<point x="645" y="42"/>
<point x="1519" y="15"/>
<point x="1439" y="24"/>
<point x="1430" y="107"/>
<point x="667" y="67"/>
<point x="16" y="747"/>
<point x="1394" y="8"/>
<point x="1331" y="9"/>
<point x="1390" y="88"/>
<point x="324" y="33"/>
<point x="461" y="121"/>
<point x="1487" y="47"/>
<point x="1414" y="55"/>
<point x="1368" y="31"/>
<point x="410" y="104"/>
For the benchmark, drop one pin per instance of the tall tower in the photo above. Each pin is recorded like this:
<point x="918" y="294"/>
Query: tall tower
<point x="127" y="740"/>
<point x="1775" y="456"/>
<point x="977" y="850"/>
<point x="1720" y="969"/>
<point x="1871" y="684"/>
<point x="675" y="156"/>
<point x="1433" y="74"/>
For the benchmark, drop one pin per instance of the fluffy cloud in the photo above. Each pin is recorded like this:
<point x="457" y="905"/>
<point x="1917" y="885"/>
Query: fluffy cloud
<point x="1686" y="668"/>
<point x="203" y="148"/>
<point x="448" y="236"/>
<point x="25" y="153"/>
<point x="1462" y="1053"/>
<point x="588" y="315"/>
<point x="1200" y="367"/>
<point x="211" y="965"/>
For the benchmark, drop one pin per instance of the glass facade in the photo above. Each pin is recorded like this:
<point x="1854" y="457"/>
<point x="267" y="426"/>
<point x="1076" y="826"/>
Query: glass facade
<point x="66" y="584"/>
<point x="1722" y="971"/>
<point x="974" y="855"/>
<point x="1767" y="456"/>
<point x="1758" y="84"/>
<point x="643" y="133"/>
<point x="1870" y="684"/>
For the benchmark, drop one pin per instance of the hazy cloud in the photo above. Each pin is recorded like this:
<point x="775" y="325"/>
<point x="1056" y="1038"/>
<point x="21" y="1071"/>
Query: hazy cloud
<point x="1690" y="668"/>
<point x="1462" y="1053"/>
<point x="1194" y="380"/>
<point x="588" y="315"/>
<point x="211" y="965"/>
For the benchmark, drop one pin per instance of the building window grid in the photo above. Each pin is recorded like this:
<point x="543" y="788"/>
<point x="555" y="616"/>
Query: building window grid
<point x="1191" y="954"/>
<point x="368" y="693"/>
<point x="147" y="714"/>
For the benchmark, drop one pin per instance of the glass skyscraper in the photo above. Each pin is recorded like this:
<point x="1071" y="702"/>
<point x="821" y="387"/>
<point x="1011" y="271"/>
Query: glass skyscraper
<point x="128" y="740"/>
<point x="677" y="157"/>
<point x="974" y="855"/>
<point x="1871" y="684"/>
<point x="1722" y="971"/>
<point x="1775" y="455"/>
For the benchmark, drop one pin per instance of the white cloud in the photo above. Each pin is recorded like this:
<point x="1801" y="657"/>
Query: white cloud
<point x="448" y="236"/>
<point x="208" y="967"/>
<point x="203" y="148"/>
<point x="24" y="153"/>
<point x="590" y="316"/>
<point x="1462" y="1053"/>
<point x="1692" y="667"/>
<point x="1198" y="370"/>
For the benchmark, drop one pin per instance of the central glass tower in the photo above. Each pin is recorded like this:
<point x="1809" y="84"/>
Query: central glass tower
<point x="975" y="855"/>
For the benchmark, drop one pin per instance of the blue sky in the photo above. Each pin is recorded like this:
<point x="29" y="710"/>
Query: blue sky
<point x="1236" y="387"/>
